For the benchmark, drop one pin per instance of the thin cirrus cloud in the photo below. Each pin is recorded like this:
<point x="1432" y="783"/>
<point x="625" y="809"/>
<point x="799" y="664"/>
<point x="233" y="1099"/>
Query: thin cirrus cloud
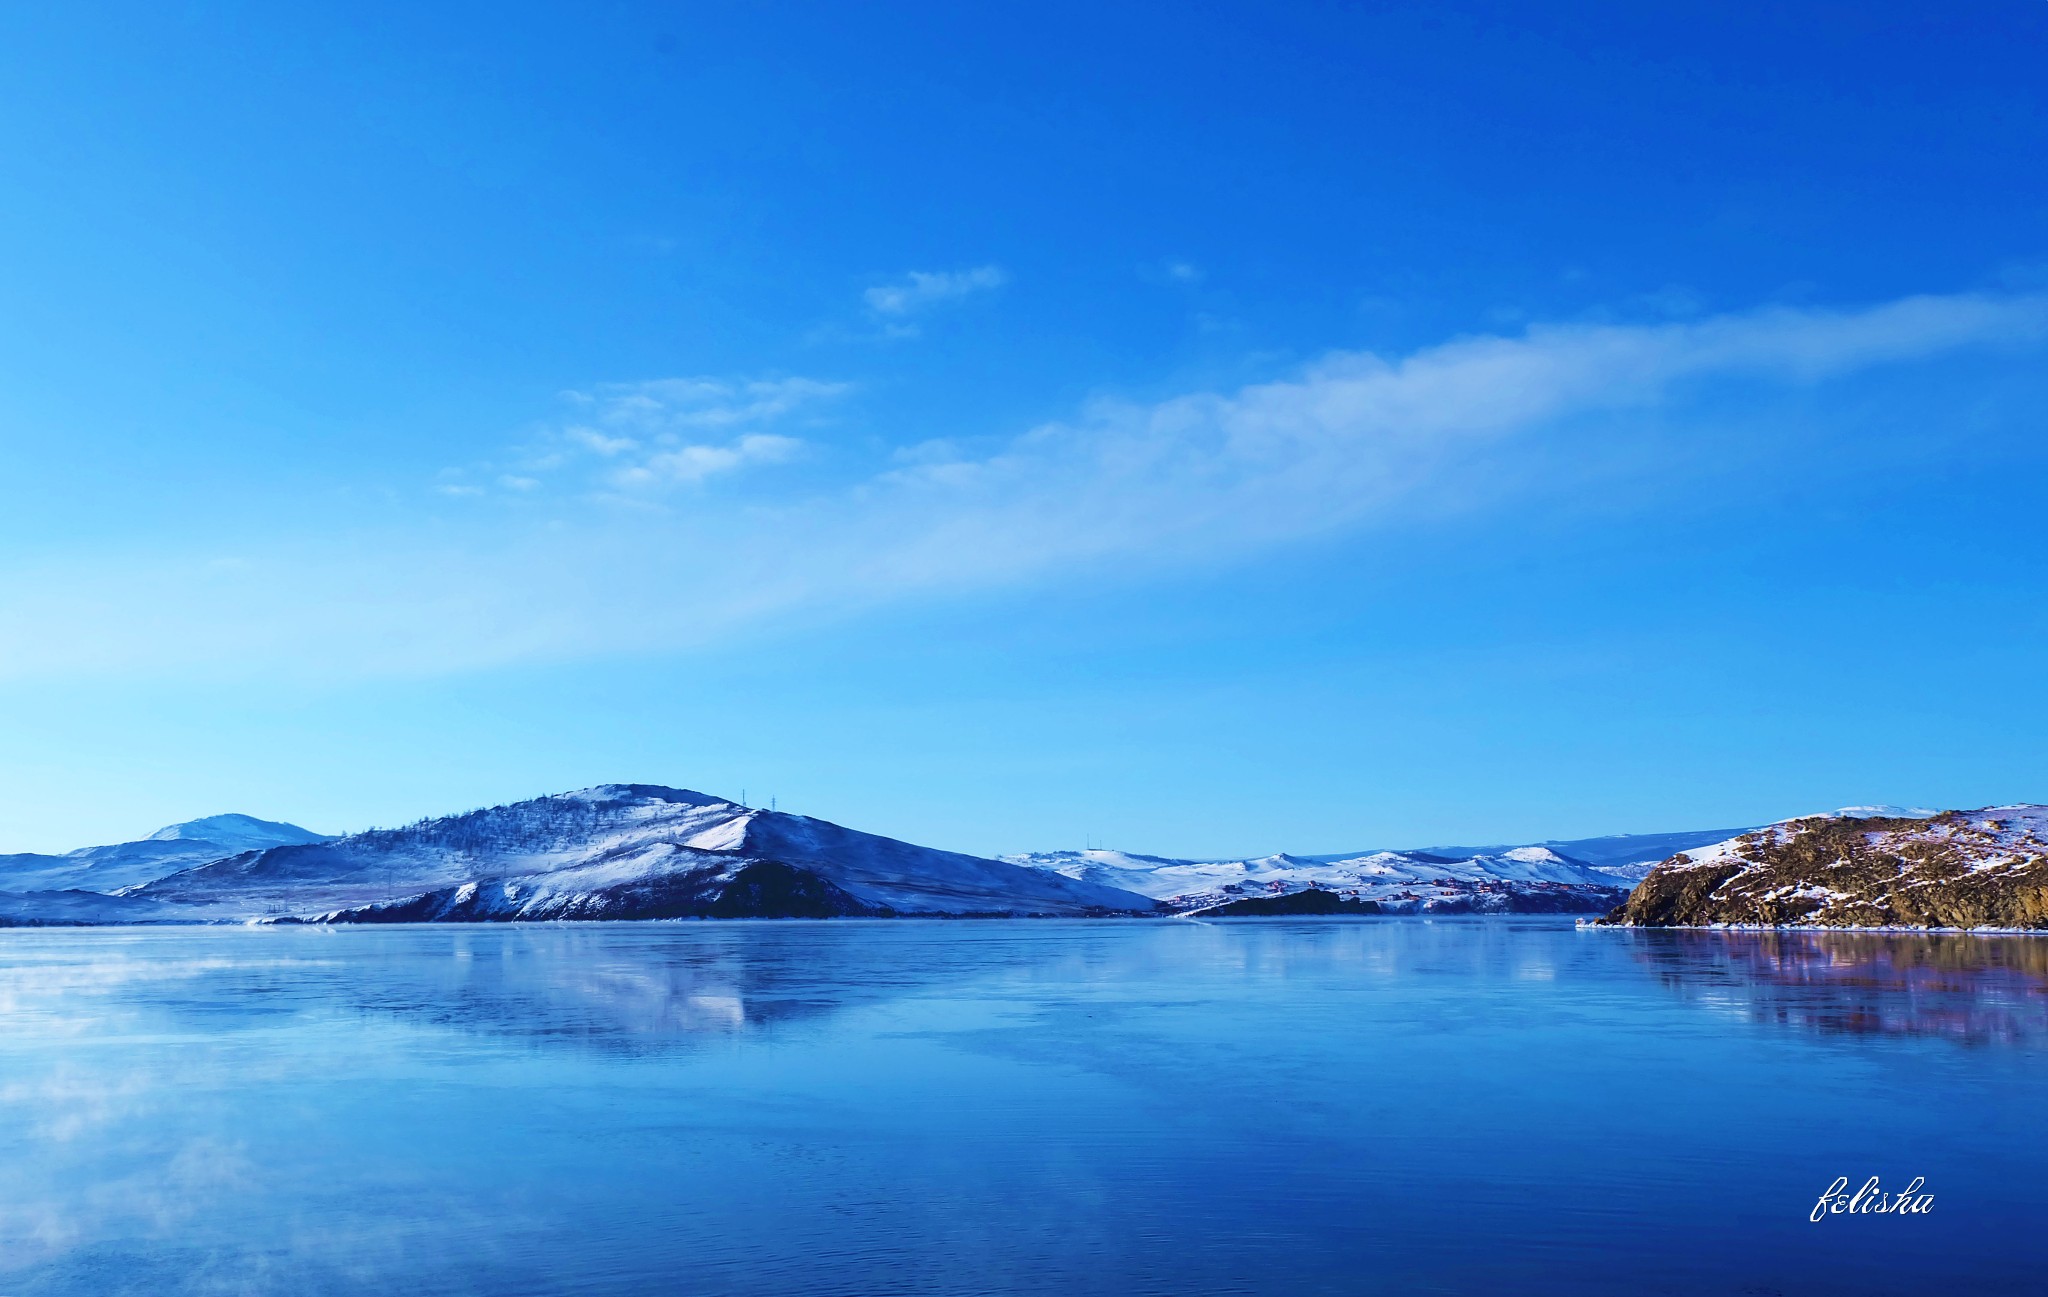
<point x="670" y="405"/>
<point x="642" y="437"/>
<point x="922" y="289"/>
<point x="1354" y="440"/>
<point x="653" y="431"/>
<point x="697" y="462"/>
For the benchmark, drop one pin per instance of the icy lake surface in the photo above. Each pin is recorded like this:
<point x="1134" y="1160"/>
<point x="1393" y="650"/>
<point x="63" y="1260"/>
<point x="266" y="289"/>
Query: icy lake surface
<point x="1284" y="1107"/>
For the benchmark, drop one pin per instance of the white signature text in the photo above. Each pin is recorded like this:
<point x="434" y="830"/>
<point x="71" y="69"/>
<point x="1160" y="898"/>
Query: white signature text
<point x="1872" y="1200"/>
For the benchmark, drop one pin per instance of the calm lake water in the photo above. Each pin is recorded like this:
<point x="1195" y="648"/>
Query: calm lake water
<point x="1285" y="1107"/>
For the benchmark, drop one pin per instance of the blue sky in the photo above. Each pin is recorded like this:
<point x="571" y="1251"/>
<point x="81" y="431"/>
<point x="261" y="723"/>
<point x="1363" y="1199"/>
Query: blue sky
<point x="1201" y="431"/>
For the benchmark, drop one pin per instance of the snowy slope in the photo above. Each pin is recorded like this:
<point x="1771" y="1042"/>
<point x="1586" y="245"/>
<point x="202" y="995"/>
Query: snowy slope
<point x="1423" y="877"/>
<point x="1626" y="856"/>
<point x="617" y="850"/>
<point x="74" y="907"/>
<point x="1512" y="878"/>
<point x="234" y="833"/>
<point x="901" y="876"/>
<point x="166" y="851"/>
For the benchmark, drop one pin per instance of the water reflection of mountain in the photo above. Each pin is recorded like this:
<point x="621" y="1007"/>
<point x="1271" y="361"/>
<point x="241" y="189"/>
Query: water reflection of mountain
<point x="1978" y="990"/>
<point x="614" y="989"/>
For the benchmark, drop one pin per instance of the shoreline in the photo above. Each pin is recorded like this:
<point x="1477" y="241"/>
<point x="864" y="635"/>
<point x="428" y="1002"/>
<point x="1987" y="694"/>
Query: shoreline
<point x="1813" y="927"/>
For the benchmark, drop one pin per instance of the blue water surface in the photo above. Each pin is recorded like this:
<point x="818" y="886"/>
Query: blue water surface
<point x="851" y="1107"/>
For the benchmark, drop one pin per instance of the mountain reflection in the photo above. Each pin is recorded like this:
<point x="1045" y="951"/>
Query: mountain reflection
<point x="651" y="988"/>
<point x="1977" y="990"/>
<point x="616" y="988"/>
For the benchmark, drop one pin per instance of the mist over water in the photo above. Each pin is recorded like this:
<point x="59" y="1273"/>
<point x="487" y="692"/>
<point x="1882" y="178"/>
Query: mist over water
<point x="858" y="1107"/>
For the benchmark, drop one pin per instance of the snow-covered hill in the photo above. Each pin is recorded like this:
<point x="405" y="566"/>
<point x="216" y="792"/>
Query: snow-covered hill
<point x="73" y="907"/>
<point x="1627" y="856"/>
<point x="1514" y="878"/>
<point x="617" y="851"/>
<point x="169" y="849"/>
<point x="234" y="832"/>
<point x="647" y="851"/>
<point x="1860" y="867"/>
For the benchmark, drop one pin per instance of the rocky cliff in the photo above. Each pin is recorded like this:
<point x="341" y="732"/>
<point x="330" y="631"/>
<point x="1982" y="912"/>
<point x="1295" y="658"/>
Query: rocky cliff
<point x="1960" y="869"/>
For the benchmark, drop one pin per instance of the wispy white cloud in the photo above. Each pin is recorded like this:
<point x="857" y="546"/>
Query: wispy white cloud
<point x="650" y="427"/>
<point x="645" y="436"/>
<point x="921" y="289"/>
<point x="695" y="463"/>
<point x="599" y="443"/>
<point x="1355" y="439"/>
<point x="669" y="405"/>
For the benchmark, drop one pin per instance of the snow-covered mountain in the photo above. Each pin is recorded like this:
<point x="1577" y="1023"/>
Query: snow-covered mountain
<point x="1627" y="856"/>
<point x="646" y="851"/>
<point x="615" y="851"/>
<point x="1504" y="879"/>
<point x="169" y="849"/>
<point x="1579" y="874"/>
<point x="238" y="832"/>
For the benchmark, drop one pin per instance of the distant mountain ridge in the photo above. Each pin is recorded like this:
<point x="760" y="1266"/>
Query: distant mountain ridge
<point x="1519" y="879"/>
<point x="1624" y="855"/>
<point x="173" y="847"/>
<point x="244" y="832"/>
<point x="1583" y="875"/>
<point x="650" y="851"/>
<point x="614" y="851"/>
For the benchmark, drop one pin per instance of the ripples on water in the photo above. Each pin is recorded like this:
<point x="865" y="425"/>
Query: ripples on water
<point x="1287" y="1107"/>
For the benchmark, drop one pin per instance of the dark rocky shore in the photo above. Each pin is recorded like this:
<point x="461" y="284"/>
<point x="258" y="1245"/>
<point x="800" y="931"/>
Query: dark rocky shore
<point x="1960" y="869"/>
